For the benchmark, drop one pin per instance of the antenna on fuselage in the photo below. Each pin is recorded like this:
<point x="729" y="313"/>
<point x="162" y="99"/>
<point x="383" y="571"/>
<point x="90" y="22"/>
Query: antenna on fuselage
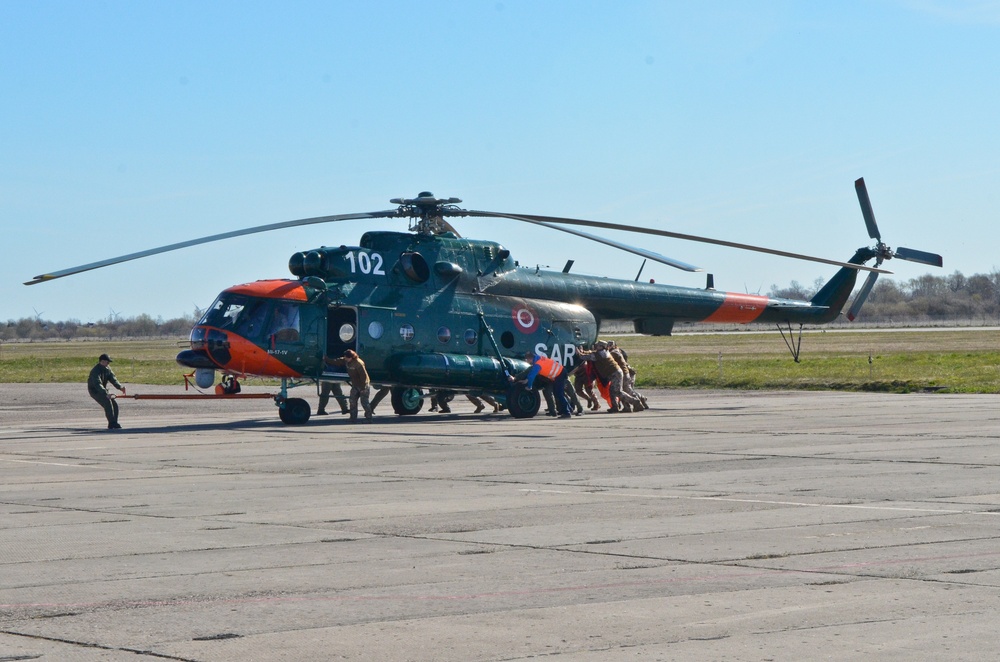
<point x="641" y="267"/>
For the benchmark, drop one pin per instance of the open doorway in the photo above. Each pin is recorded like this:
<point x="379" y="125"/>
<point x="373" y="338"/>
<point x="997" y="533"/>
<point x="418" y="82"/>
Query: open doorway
<point x="341" y="335"/>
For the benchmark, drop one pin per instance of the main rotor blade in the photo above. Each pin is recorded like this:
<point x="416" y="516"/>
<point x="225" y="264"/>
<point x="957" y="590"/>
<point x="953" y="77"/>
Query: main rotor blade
<point x="674" y="235"/>
<point x="656" y="257"/>
<point x="862" y="295"/>
<point x="923" y="257"/>
<point x="866" y="209"/>
<point x="204" y="240"/>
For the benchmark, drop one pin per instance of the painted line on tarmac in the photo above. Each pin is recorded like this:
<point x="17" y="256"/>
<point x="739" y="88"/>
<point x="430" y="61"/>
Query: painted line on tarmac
<point x="50" y="464"/>
<point x="803" y="504"/>
<point x="100" y="467"/>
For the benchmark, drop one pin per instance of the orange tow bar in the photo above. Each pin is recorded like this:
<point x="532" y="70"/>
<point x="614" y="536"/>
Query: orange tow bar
<point x="197" y="396"/>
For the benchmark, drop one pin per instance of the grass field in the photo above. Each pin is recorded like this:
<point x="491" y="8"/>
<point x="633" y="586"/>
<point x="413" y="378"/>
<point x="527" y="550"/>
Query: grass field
<point x="950" y="361"/>
<point x="954" y="361"/>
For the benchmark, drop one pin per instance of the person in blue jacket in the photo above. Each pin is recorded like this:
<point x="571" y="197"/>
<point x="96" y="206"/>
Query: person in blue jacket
<point x="550" y="371"/>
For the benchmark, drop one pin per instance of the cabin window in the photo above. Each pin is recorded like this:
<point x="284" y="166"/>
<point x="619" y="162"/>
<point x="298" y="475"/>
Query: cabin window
<point x="471" y="337"/>
<point x="406" y="332"/>
<point x="507" y="339"/>
<point x="444" y="334"/>
<point x="346" y="332"/>
<point x="375" y="330"/>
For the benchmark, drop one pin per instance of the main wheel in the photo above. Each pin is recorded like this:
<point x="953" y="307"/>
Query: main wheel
<point x="406" y="401"/>
<point x="522" y="402"/>
<point x="294" y="411"/>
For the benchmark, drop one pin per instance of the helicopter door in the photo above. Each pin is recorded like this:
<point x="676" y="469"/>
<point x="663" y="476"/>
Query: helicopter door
<point x="341" y="335"/>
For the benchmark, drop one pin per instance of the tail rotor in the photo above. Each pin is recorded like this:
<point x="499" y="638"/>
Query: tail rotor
<point x="882" y="251"/>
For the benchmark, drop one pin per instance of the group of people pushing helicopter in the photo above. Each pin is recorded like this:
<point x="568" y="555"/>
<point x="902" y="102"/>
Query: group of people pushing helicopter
<point x="602" y="372"/>
<point x="604" y="366"/>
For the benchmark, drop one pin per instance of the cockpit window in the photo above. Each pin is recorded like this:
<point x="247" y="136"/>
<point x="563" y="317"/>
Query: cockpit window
<point x="285" y="322"/>
<point x="225" y="312"/>
<point x="251" y="320"/>
<point x="248" y="317"/>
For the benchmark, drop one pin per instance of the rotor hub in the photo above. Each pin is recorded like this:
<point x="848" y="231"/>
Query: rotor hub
<point x="427" y="212"/>
<point x="883" y="252"/>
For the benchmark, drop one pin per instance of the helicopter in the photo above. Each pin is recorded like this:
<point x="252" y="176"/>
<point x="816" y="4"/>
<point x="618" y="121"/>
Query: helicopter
<point x="430" y="310"/>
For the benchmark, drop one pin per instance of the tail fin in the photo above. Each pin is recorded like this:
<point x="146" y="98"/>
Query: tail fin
<point x="837" y="291"/>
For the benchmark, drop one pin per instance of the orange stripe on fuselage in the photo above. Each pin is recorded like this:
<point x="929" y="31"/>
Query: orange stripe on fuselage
<point x="739" y="308"/>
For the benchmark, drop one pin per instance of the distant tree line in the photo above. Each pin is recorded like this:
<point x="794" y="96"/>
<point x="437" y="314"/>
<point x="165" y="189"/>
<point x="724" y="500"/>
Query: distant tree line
<point x="143" y="326"/>
<point x="928" y="298"/>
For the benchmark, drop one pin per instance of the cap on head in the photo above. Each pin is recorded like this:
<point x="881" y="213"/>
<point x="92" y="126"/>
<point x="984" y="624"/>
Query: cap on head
<point x="104" y="357"/>
<point x="600" y="344"/>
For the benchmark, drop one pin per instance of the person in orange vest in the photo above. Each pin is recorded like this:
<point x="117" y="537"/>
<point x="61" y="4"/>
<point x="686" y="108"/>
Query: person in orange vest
<point x="553" y="372"/>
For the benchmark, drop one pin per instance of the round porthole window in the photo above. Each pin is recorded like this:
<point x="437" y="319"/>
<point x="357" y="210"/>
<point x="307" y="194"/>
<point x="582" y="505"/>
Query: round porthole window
<point x="406" y="332"/>
<point x="507" y="339"/>
<point x="346" y="332"/>
<point x="444" y="334"/>
<point x="471" y="337"/>
<point x="375" y="330"/>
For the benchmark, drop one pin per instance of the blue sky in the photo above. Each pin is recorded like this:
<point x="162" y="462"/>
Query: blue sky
<point x="130" y="125"/>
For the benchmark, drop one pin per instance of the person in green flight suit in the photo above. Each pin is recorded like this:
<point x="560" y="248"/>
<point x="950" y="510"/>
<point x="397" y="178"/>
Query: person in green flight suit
<point x="97" y="386"/>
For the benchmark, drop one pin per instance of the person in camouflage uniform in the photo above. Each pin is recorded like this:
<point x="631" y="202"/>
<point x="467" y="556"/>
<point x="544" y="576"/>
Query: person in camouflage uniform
<point x="97" y="385"/>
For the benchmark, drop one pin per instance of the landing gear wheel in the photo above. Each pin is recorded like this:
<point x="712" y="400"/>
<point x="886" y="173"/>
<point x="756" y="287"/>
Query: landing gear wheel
<point x="522" y="402"/>
<point x="295" y="411"/>
<point x="406" y="401"/>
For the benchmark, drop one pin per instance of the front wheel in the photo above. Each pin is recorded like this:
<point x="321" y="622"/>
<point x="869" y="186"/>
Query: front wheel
<point x="294" y="411"/>
<point x="406" y="401"/>
<point x="522" y="401"/>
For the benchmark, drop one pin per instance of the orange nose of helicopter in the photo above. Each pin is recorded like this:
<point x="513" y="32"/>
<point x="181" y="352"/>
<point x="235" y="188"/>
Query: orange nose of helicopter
<point x="214" y="348"/>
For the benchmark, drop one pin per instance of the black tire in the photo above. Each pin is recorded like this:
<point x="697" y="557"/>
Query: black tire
<point x="522" y="402"/>
<point x="294" y="411"/>
<point x="406" y="401"/>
